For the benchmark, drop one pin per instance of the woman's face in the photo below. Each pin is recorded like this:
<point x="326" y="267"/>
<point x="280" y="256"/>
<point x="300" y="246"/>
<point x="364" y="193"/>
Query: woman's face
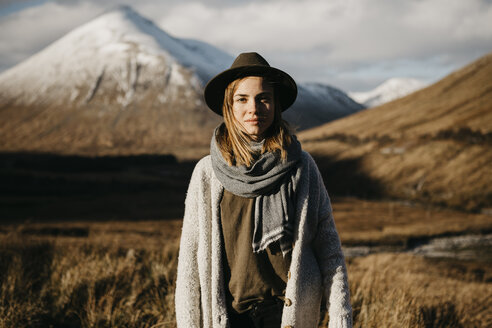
<point x="253" y="106"/>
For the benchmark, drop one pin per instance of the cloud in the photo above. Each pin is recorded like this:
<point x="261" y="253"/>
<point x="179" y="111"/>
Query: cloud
<point x="317" y="37"/>
<point x="28" y="31"/>
<point x="348" y="43"/>
<point x="27" y="26"/>
<point x="351" y="30"/>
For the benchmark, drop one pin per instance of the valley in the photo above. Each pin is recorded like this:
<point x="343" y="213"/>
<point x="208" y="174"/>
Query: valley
<point x="101" y="130"/>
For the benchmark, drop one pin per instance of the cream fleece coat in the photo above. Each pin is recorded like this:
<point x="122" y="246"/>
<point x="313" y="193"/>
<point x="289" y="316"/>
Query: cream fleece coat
<point x="317" y="267"/>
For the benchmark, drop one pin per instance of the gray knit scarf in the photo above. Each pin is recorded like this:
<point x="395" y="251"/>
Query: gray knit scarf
<point x="271" y="181"/>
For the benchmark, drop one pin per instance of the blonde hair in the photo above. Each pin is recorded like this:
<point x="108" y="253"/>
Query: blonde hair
<point x="234" y="144"/>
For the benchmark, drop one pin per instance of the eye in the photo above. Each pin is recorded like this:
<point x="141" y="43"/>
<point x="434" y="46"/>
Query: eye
<point x="241" y="100"/>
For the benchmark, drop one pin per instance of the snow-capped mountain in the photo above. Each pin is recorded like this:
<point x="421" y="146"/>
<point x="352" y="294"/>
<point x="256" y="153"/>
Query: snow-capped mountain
<point x="389" y="90"/>
<point x="120" y="84"/>
<point x="120" y="46"/>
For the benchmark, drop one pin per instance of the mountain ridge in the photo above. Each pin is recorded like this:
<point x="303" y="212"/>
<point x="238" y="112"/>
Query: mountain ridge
<point x="120" y="85"/>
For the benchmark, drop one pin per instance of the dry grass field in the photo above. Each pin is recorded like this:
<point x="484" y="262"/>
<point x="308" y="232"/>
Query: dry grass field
<point x="96" y="275"/>
<point x="394" y="223"/>
<point x="401" y="290"/>
<point x="121" y="274"/>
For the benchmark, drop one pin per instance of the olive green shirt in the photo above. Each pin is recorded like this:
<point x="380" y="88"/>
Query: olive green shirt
<point x="250" y="277"/>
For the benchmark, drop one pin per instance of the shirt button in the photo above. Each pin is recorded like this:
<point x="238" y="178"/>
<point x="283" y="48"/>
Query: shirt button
<point x="288" y="302"/>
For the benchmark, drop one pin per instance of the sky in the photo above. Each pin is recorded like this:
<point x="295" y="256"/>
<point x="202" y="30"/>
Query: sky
<point x="353" y="45"/>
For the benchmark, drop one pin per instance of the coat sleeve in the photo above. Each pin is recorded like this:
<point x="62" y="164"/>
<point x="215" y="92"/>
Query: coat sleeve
<point x="187" y="295"/>
<point x="331" y="260"/>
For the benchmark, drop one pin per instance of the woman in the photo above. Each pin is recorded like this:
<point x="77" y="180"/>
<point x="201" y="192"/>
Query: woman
<point x="259" y="246"/>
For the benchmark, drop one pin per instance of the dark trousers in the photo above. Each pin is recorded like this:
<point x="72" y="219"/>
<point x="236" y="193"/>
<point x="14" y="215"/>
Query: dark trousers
<point x="266" y="314"/>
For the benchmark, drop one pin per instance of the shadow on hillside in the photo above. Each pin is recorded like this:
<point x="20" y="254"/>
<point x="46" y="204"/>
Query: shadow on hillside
<point x="345" y="178"/>
<point x="79" y="164"/>
<point x="48" y="187"/>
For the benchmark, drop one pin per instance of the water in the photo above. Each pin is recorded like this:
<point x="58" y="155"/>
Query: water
<point x="466" y="247"/>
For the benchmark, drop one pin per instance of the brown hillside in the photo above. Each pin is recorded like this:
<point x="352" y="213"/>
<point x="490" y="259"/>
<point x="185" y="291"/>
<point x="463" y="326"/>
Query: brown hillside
<point x="434" y="145"/>
<point x="103" y="127"/>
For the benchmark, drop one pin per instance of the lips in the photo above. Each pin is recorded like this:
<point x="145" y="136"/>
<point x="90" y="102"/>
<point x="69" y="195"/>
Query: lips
<point x="255" y="120"/>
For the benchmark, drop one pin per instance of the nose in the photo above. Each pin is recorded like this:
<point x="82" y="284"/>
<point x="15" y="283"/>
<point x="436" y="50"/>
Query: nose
<point x="255" y="107"/>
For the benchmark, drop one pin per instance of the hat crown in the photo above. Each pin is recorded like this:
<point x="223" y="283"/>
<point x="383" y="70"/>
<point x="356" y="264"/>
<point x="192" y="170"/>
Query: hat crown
<point x="249" y="59"/>
<point x="249" y="64"/>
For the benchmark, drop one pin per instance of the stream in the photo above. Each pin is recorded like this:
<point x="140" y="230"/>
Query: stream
<point x="466" y="247"/>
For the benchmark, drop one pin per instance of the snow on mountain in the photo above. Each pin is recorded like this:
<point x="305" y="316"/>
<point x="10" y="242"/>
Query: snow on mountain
<point x="120" y="84"/>
<point x="391" y="89"/>
<point x="119" y="45"/>
<point x="319" y="103"/>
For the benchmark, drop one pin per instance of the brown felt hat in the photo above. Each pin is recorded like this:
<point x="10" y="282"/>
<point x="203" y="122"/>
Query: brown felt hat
<point x="249" y="64"/>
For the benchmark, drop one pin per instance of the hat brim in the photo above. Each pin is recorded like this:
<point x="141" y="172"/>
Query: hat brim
<point x="215" y="88"/>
